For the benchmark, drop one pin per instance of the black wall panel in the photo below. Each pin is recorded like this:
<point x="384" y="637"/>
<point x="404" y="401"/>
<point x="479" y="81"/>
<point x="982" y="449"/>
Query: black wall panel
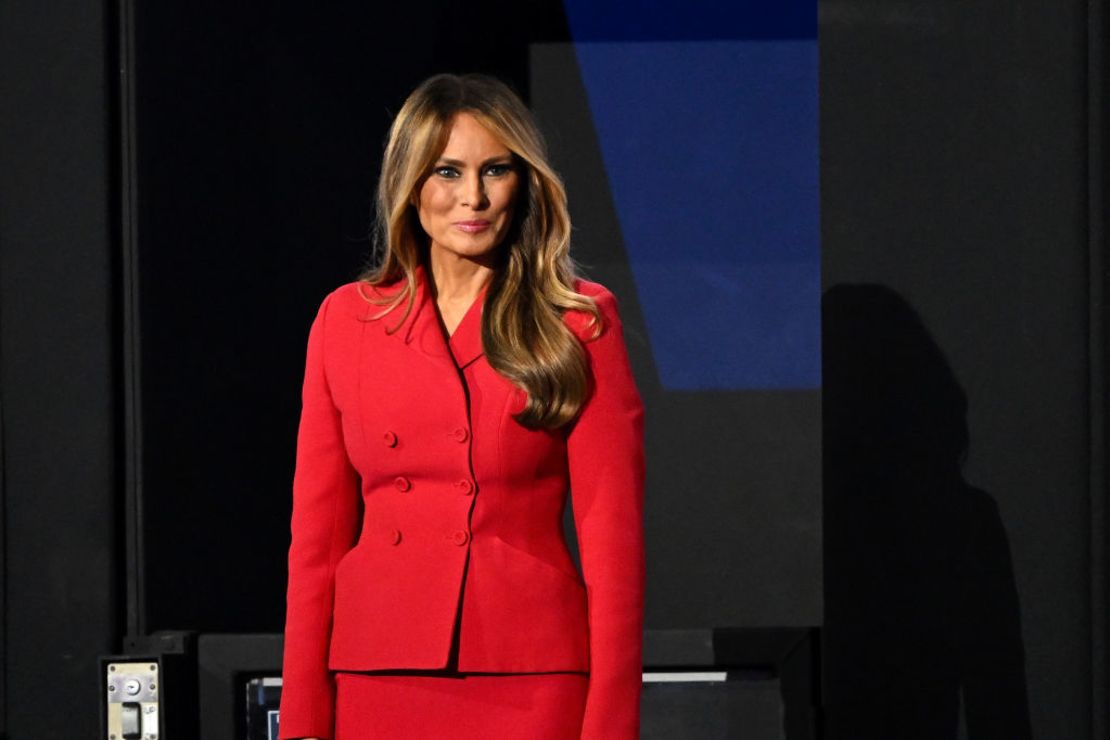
<point x="259" y="134"/>
<point x="60" y="541"/>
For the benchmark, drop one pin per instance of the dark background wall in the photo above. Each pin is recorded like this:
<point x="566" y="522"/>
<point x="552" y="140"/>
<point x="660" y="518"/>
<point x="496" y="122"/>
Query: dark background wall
<point x="955" y="184"/>
<point x="956" y="165"/>
<point x="60" y="524"/>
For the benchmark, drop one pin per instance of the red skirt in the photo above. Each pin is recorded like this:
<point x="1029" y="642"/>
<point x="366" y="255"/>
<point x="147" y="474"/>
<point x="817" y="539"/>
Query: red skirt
<point x="528" y="706"/>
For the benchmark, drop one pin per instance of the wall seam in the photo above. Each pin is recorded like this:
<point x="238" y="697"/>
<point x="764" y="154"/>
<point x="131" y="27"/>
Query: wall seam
<point x="1097" y="367"/>
<point x="129" y="303"/>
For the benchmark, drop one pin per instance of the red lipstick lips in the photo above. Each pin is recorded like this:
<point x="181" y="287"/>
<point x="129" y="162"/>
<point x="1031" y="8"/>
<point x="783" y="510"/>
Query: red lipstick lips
<point x="472" y="227"/>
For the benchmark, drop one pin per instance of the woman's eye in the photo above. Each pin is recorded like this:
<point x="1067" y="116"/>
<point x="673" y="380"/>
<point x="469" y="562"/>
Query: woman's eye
<point x="446" y="171"/>
<point x="497" y="170"/>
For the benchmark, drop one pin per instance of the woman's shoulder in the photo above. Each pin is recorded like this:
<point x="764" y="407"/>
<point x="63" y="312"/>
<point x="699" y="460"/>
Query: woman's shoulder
<point x="352" y="299"/>
<point x="590" y="288"/>
<point x="581" y="322"/>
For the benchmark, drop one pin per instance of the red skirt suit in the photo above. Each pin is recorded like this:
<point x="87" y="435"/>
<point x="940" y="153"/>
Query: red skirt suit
<point x="427" y="532"/>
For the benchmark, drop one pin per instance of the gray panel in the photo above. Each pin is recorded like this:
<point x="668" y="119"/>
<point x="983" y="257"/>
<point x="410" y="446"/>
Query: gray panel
<point x="733" y="511"/>
<point x="725" y="710"/>
<point x="954" y="173"/>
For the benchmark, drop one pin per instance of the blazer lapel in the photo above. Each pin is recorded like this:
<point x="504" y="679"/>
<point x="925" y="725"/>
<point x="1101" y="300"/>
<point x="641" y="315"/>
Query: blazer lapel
<point x="423" y="330"/>
<point x="466" y="342"/>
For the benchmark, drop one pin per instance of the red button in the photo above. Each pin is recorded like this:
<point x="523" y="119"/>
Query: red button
<point x="394" y="536"/>
<point x="402" y="483"/>
<point x="465" y="487"/>
<point x="460" y="434"/>
<point x="460" y="538"/>
<point x="390" y="439"/>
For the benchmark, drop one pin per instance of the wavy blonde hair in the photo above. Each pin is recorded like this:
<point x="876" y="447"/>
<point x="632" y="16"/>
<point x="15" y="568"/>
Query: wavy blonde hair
<point x="523" y="333"/>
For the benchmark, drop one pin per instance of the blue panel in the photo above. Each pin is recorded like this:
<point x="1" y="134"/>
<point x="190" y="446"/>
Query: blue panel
<point x="711" y="153"/>
<point x="667" y="20"/>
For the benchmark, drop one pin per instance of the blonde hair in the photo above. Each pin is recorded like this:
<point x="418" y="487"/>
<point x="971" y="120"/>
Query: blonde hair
<point x="523" y="333"/>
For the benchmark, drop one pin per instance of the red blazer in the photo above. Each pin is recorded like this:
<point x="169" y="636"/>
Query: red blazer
<point x="414" y="485"/>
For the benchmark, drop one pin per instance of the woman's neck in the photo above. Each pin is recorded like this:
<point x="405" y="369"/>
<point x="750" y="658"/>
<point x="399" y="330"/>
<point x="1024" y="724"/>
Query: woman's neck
<point x="457" y="280"/>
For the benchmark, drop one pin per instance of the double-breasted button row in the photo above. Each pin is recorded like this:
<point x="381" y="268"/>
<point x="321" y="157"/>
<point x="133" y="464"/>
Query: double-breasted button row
<point x="459" y="537"/>
<point x="464" y="486"/>
<point x="459" y="434"/>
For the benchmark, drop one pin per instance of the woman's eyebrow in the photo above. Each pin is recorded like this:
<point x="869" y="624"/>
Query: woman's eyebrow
<point x="492" y="160"/>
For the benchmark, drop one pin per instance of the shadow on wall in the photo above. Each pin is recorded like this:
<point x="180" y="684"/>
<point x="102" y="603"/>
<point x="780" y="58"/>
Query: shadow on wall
<point x="921" y="608"/>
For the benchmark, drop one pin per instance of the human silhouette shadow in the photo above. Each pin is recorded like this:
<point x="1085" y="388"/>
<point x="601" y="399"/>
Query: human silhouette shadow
<point x="921" y="607"/>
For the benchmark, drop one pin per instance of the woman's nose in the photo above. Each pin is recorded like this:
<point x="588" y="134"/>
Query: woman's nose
<point x="474" y="192"/>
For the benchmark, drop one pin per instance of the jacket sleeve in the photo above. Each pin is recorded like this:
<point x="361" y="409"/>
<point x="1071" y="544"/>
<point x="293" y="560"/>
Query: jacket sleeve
<point x="324" y="522"/>
<point x="606" y="464"/>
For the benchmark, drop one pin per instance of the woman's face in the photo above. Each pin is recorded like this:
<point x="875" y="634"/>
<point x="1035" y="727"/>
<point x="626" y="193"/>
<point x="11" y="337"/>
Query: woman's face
<point x="466" y="203"/>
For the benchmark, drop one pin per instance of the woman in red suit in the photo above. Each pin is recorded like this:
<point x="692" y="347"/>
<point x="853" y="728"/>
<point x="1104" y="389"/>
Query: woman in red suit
<point x="452" y="396"/>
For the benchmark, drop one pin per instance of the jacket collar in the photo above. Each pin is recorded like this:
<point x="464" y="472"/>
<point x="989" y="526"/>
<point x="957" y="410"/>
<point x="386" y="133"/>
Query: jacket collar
<point x="424" y="331"/>
<point x="466" y="342"/>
